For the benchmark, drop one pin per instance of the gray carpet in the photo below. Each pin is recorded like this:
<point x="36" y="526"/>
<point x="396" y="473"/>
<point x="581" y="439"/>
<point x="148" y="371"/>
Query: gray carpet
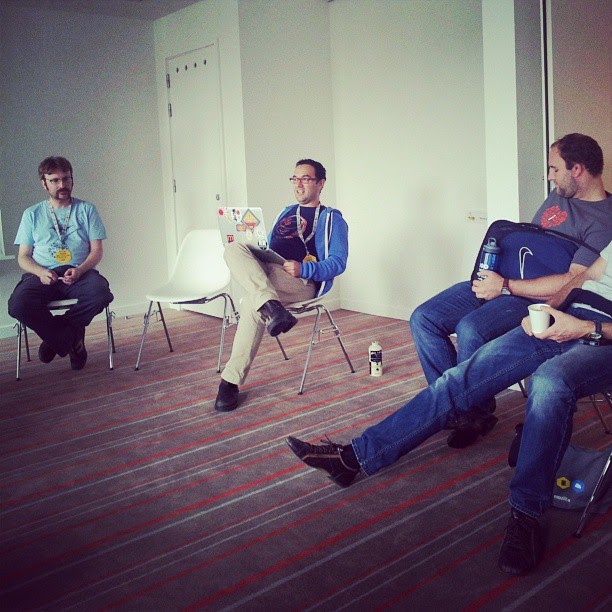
<point x="126" y="490"/>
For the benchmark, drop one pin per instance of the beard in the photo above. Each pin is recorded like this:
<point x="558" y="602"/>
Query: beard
<point x="568" y="189"/>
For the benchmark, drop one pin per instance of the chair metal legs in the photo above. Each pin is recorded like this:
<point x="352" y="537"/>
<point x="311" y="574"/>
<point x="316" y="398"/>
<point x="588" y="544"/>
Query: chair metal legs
<point x="607" y="397"/>
<point x="146" y="327"/>
<point x="316" y="336"/>
<point x="23" y="330"/>
<point x="230" y="317"/>
<point x="596" y="491"/>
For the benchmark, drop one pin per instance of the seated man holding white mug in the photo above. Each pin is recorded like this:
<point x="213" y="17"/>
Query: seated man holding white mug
<point x="569" y="360"/>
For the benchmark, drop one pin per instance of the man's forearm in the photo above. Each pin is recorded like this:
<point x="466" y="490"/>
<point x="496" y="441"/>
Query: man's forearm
<point x="27" y="264"/>
<point x="543" y="288"/>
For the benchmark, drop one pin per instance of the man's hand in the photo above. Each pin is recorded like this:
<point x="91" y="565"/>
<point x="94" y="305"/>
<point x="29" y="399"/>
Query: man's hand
<point x="292" y="267"/>
<point x="489" y="287"/>
<point x="71" y="276"/>
<point x="48" y="277"/>
<point x="564" y="328"/>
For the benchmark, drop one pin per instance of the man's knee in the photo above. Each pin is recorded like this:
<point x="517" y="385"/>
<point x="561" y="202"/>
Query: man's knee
<point x="470" y="333"/>
<point x="548" y="381"/>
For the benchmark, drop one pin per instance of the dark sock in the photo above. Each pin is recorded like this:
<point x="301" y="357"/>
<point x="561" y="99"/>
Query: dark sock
<point x="349" y="457"/>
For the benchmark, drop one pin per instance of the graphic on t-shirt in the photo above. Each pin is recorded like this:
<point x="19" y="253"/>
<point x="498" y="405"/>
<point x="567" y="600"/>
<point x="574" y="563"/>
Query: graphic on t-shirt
<point x="553" y="217"/>
<point x="287" y="227"/>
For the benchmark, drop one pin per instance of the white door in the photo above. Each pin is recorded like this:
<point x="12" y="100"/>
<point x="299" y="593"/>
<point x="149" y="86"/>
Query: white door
<point x="194" y="112"/>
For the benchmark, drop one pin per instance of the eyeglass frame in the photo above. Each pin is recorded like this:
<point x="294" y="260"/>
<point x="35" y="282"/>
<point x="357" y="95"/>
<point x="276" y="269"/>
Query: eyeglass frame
<point x="305" y="180"/>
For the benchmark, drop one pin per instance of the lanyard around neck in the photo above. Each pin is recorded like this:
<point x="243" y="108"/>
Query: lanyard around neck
<point x="314" y="225"/>
<point x="61" y="232"/>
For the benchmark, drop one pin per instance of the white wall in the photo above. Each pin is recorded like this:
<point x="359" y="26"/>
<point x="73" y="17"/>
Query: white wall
<point x="204" y="23"/>
<point x="582" y="72"/>
<point x="287" y="96"/>
<point x="409" y="133"/>
<point x="83" y="86"/>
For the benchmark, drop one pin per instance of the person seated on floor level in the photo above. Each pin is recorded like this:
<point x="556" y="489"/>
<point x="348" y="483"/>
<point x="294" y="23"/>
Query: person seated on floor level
<point x="569" y="360"/>
<point x="60" y="244"/>
<point x="314" y="240"/>
<point x="579" y="207"/>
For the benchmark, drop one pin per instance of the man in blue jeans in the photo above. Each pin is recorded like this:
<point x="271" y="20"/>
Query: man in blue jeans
<point x="571" y="359"/>
<point x="579" y="207"/>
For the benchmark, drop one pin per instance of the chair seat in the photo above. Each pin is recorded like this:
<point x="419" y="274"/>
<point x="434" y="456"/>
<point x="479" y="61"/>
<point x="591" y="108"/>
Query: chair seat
<point x="174" y="292"/>
<point x="58" y="304"/>
<point x="200" y="275"/>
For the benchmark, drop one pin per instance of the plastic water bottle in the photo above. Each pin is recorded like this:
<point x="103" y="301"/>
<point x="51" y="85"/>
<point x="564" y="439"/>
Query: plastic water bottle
<point x="489" y="257"/>
<point x="375" y="359"/>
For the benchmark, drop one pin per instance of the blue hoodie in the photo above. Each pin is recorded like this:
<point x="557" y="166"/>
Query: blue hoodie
<point x="331" y="242"/>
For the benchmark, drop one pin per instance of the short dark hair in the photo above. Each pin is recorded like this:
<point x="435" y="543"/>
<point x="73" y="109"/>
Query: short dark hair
<point x="581" y="149"/>
<point x="49" y="165"/>
<point x="320" y="172"/>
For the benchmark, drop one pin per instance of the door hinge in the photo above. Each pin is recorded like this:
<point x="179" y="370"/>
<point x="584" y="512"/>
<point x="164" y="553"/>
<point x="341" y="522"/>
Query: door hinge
<point x="168" y="81"/>
<point x="169" y="110"/>
<point x="173" y="185"/>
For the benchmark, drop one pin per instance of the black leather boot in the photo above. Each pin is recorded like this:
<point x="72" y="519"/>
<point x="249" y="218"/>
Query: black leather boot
<point x="280" y="320"/>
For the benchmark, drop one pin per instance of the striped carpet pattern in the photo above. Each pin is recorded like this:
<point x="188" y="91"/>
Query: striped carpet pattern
<point x="125" y="490"/>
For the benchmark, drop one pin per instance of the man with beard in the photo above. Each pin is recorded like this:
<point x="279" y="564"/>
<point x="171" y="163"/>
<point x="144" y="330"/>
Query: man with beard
<point x="60" y="244"/>
<point x="485" y="309"/>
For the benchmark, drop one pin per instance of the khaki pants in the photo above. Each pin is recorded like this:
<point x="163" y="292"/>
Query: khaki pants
<point x="262" y="282"/>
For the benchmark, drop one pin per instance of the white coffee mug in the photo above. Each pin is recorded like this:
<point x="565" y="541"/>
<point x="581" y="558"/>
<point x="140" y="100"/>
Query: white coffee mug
<point x="540" y="319"/>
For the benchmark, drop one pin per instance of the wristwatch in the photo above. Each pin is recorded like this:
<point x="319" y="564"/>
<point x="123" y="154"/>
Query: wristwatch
<point x="594" y="338"/>
<point x="505" y="290"/>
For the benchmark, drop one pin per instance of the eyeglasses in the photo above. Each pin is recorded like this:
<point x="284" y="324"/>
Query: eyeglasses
<point x="302" y="179"/>
<point x="56" y="181"/>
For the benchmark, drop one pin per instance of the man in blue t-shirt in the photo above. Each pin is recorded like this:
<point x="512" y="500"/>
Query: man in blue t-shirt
<point x="60" y="244"/>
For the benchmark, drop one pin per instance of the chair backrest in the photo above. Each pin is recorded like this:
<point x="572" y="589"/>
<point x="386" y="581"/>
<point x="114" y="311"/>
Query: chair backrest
<point x="200" y="260"/>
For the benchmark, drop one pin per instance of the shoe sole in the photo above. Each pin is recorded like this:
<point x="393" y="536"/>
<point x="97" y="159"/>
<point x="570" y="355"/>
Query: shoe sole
<point x="226" y="408"/>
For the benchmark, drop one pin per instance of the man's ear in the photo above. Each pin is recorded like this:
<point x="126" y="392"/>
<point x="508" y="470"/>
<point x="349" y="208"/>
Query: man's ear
<point x="43" y="182"/>
<point x="577" y="170"/>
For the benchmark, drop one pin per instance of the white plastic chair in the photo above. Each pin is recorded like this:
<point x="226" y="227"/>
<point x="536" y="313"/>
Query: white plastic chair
<point x="64" y="305"/>
<point x="199" y="275"/>
<point x="318" y="330"/>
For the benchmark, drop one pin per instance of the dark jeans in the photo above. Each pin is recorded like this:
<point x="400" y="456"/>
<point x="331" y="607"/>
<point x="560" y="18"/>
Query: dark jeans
<point x="28" y="304"/>
<point x="458" y="310"/>
<point x="561" y="373"/>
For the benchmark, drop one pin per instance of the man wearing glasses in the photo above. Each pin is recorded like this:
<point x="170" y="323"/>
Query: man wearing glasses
<point x="313" y="239"/>
<point x="60" y="244"/>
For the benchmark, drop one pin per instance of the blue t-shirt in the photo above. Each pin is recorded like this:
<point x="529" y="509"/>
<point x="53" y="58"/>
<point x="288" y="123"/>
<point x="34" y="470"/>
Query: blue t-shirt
<point x="38" y="230"/>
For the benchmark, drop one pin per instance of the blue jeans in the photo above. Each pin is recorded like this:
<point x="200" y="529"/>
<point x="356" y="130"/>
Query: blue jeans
<point x="458" y="310"/>
<point x="562" y="373"/>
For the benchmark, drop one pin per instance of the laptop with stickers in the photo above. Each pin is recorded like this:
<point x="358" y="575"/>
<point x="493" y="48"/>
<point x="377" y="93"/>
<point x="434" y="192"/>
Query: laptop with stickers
<point x="245" y="225"/>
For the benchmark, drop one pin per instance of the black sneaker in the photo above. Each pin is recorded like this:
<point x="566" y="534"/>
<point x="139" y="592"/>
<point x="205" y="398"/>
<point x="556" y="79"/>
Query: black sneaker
<point x="325" y="457"/>
<point x="468" y="432"/>
<point x="45" y="352"/>
<point x="78" y="354"/>
<point x="523" y="546"/>
<point x="227" y="397"/>
<point x="280" y="320"/>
